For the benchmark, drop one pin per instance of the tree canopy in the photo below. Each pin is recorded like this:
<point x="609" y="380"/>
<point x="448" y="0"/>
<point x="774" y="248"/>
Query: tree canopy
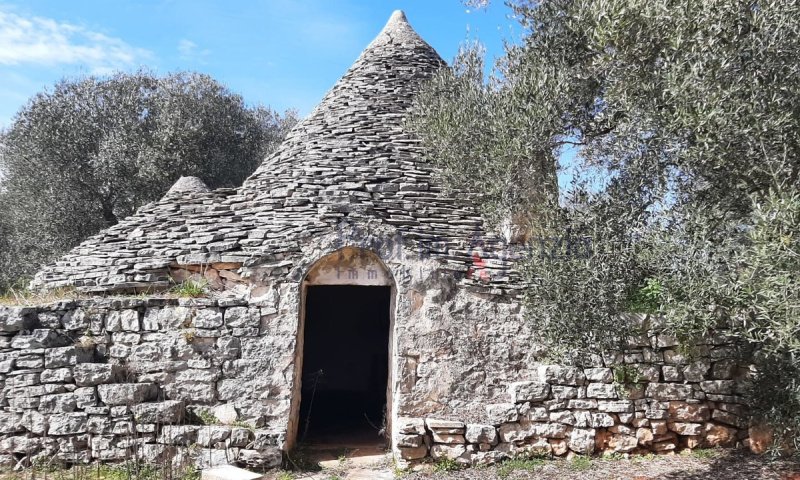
<point x="88" y="152"/>
<point x="683" y="123"/>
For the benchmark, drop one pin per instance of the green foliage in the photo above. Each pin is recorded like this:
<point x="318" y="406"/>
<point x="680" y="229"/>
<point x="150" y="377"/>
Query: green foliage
<point x="445" y="464"/>
<point x="625" y="378"/>
<point x="285" y="475"/>
<point x="679" y="123"/>
<point x="646" y="299"/>
<point x="88" y="152"/>
<point x="189" y="288"/>
<point x="518" y="464"/>
<point x="207" y="417"/>
<point x="580" y="463"/>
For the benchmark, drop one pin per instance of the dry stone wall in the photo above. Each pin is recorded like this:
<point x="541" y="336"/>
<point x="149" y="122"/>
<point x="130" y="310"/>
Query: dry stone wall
<point x="652" y="398"/>
<point x="109" y="380"/>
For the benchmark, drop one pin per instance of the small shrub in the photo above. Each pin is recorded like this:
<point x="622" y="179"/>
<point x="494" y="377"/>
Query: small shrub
<point x="445" y="464"/>
<point x="190" y="289"/>
<point x="625" y="377"/>
<point x="207" y="417"/>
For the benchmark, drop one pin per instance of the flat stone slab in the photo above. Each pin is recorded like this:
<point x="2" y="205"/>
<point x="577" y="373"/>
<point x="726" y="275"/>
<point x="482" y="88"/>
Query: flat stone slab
<point x="229" y="472"/>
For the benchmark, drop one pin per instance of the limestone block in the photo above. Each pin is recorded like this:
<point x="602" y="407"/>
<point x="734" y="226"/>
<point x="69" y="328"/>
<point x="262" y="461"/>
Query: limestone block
<point x="622" y="443"/>
<point x="40" y="338"/>
<point x="178" y="434"/>
<point x="685" y="428"/>
<point x="91" y="374"/>
<point x="644" y="436"/>
<point x="581" y="440"/>
<point x="11" y="422"/>
<point x="448" y="451"/>
<point x="718" y="387"/>
<point x="409" y="425"/>
<point x="448" y="438"/>
<point x="481" y="434"/>
<point x="262" y="458"/>
<point x="57" y="375"/>
<point x="529" y="391"/>
<point x="123" y="321"/>
<point x="671" y="373"/>
<point x="168" y="411"/>
<point x="560" y="375"/>
<point x="67" y="423"/>
<point x="211" y="435"/>
<point x="562" y="392"/>
<point x="600" y="375"/>
<point x="58" y="403"/>
<point x="615" y="406"/>
<point x="601" y="390"/>
<point x="34" y="422"/>
<point x="717" y="435"/>
<point x="696" y="371"/>
<point x="451" y="426"/>
<point x="15" y="319"/>
<point x="668" y="391"/>
<point x="601" y="420"/>
<point x="243" y="317"/>
<point x="688" y="412"/>
<point x="413" y="453"/>
<point x="127" y="393"/>
<point x="409" y="440"/>
<point x="239" y="437"/>
<point x="209" y="318"/>
<point x="562" y="416"/>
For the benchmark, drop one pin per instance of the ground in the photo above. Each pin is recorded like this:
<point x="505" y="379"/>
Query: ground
<point x="699" y="465"/>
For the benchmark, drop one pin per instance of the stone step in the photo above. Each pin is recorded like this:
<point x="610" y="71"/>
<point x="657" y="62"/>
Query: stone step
<point x="229" y="472"/>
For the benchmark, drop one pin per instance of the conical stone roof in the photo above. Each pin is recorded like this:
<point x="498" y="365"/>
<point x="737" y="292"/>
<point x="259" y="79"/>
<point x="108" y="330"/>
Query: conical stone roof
<point x="350" y="160"/>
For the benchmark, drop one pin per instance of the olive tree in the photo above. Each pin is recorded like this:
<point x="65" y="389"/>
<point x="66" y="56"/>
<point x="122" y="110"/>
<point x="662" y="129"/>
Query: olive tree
<point x="83" y="155"/>
<point x="683" y="119"/>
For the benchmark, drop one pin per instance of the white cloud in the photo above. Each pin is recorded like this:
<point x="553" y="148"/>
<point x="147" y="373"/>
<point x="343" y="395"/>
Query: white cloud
<point x="43" y="41"/>
<point x="188" y="51"/>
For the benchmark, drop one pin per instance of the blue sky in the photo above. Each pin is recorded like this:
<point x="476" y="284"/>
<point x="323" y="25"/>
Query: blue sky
<point x="281" y="53"/>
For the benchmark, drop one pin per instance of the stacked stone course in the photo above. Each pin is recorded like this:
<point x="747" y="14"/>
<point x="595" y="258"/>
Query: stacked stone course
<point x="676" y="402"/>
<point x="111" y="380"/>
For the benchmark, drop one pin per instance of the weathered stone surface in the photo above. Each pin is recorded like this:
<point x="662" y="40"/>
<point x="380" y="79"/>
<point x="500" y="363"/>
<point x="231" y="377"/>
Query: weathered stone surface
<point x="211" y="435"/>
<point x="684" y="428"/>
<point x="600" y="390"/>
<point x="91" y="374"/>
<point x="123" y="321"/>
<point x="178" y="434"/>
<point x="166" y="412"/>
<point x="689" y="412"/>
<point x="581" y="440"/>
<point x="668" y="391"/>
<point x="498" y="413"/>
<point x="600" y="375"/>
<point x="11" y="422"/>
<point x="264" y="458"/>
<point x="481" y="434"/>
<point x="717" y="435"/>
<point x="529" y="391"/>
<point x="127" y="393"/>
<point x="560" y="375"/>
<point x="67" y="423"/>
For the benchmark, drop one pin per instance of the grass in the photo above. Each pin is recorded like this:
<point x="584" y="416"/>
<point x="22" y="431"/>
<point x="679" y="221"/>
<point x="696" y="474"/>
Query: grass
<point x="207" y="417"/>
<point x="703" y="453"/>
<point x="518" y="464"/>
<point x="580" y="463"/>
<point x="189" y="289"/>
<point x="25" y="297"/>
<point x="124" y="471"/>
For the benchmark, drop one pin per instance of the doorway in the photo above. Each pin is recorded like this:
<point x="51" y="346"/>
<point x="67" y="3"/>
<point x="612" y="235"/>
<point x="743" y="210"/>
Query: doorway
<point x="345" y="365"/>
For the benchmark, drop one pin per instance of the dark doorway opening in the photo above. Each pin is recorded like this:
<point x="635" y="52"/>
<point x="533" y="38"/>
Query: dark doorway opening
<point x="345" y="365"/>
